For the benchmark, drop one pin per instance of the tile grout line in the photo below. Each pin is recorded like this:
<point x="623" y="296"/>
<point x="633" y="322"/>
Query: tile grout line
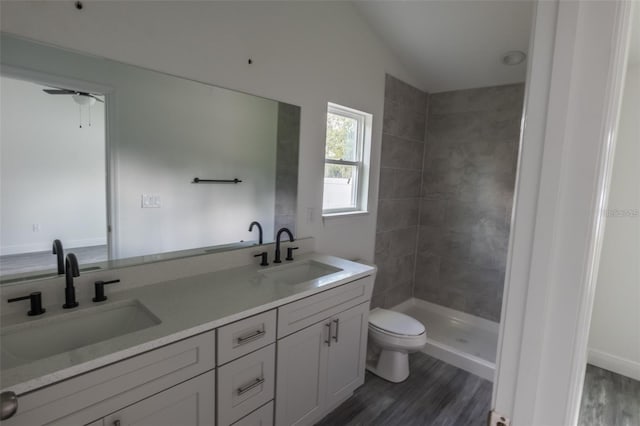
<point x="417" y="236"/>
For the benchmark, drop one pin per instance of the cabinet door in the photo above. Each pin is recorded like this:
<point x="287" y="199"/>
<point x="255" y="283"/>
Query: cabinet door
<point x="347" y="354"/>
<point x="302" y="375"/>
<point x="188" y="404"/>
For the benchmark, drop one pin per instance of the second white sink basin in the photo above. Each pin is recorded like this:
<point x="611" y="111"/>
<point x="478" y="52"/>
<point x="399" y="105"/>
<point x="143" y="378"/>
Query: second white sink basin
<point x="300" y="272"/>
<point x="44" y="338"/>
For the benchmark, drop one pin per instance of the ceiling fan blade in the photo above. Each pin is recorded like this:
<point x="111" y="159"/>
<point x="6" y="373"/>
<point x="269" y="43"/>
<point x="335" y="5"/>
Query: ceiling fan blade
<point x="71" y="92"/>
<point x="59" y="91"/>
<point x="96" y="98"/>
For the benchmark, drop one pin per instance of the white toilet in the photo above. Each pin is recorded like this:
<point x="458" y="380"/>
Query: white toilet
<point x="392" y="336"/>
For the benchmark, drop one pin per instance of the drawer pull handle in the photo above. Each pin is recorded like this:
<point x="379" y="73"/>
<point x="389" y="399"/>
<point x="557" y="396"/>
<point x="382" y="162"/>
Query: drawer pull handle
<point x="328" y="341"/>
<point x="251" y="337"/>
<point x="8" y="405"/>
<point x="257" y="382"/>
<point x="116" y="423"/>
<point x="335" y="336"/>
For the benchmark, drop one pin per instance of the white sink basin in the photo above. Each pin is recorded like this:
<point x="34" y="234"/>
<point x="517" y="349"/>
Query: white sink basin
<point x="300" y="272"/>
<point x="48" y="337"/>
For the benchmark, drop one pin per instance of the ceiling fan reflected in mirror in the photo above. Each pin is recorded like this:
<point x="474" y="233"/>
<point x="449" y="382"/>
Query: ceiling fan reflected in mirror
<point x="80" y="98"/>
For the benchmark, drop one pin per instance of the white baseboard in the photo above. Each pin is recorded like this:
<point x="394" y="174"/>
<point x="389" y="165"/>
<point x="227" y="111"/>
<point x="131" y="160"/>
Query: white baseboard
<point x="622" y="366"/>
<point x="44" y="246"/>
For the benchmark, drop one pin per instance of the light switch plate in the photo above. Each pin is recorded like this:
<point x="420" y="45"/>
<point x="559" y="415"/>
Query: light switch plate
<point x="150" y="201"/>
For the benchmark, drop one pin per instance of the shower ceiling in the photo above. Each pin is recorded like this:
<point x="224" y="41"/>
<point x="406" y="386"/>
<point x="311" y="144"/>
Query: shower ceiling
<point x="453" y="45"/>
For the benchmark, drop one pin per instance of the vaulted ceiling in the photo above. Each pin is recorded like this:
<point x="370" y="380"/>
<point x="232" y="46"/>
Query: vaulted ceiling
<point x="453" y="44"/>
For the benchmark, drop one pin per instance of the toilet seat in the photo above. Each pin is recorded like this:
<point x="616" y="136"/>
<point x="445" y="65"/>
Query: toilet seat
<point x="395" y="323"/>
<point x="399" y="337"/>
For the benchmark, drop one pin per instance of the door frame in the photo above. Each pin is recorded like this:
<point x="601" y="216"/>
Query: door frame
<point x="576" y="74"/>
<point x="80" y="85"/>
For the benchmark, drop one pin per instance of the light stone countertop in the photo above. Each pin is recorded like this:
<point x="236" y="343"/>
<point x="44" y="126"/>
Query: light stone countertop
<point x="185" y="307"/>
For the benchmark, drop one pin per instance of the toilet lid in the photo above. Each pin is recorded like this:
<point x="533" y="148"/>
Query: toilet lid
<point x="395" y="322"/>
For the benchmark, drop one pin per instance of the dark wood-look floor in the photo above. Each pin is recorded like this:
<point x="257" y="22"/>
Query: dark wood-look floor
<point x="435" y="393"/>
<point x="609" y="399"/>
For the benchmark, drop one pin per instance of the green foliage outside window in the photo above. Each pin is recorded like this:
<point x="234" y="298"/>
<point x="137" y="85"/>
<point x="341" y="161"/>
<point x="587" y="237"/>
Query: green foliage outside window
<point x="340" y="145"/>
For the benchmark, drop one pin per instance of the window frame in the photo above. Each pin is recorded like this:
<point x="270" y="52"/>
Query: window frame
<point x="362" y="153"/>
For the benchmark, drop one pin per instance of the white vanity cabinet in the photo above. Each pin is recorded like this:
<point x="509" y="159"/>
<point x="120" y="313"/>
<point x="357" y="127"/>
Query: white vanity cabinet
<point x="246" y="384"/>
<point x="92" y="396"/>
<point x="187" y="404"/>
<point x="263" y="416"/>
<point x="320" y="365"/>
<point x="246" y="369"/>
<point x="347" y="354"/>
<point x="302" y="376"/>
<point x="286" y="366"/>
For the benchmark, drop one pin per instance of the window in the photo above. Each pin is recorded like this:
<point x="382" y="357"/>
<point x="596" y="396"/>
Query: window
<point x="347" y="152"/>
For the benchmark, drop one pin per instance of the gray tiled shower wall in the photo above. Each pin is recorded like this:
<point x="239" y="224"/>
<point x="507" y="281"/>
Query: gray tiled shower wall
<point x="462" y="209"/>
<point x="287" y="167"/>
<point x="403" y="147"/>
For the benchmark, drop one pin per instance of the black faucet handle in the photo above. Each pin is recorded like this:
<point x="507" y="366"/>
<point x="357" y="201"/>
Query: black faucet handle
<point x="99" y="289"/>
<point x="36" y="303"/>
<point x="290" y="252"/>
<point x="264" y="258"/>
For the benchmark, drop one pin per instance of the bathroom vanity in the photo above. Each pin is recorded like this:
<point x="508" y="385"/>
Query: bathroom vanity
<point x="190" y="329"/>
<point x="248" y="345"/>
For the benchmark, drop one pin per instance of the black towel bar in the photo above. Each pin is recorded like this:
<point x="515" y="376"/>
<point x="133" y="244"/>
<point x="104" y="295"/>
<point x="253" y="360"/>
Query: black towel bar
<point x="198" y="180"/>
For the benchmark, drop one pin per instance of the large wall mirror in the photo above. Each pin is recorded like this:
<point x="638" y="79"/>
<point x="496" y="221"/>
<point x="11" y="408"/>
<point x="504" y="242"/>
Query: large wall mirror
<point x="125" y="165"/>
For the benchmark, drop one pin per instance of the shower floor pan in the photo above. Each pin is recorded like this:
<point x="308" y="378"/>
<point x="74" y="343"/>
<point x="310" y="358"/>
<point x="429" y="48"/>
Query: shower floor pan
<point x="457" y="338"/>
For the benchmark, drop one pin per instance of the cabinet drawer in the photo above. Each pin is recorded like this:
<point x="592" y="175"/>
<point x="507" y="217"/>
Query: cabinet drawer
<point x="245" y="336"/>
<point x="263" y="416"/>
<point x="245" y="384"/>
<point x="110" y="388"/>
<point x="303" y="313"/>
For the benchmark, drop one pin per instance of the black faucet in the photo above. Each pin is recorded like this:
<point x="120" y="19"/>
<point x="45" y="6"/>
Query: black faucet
<point x="277" y="259"/>
<point x="71" y="270"/>
<point x="259" y="230"/>
<point x="59" y="252"/>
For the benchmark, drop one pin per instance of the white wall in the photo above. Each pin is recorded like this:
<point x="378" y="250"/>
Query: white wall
<point x="304" y="53"/>
<point x="41" y="181"/>
<point x="614" y="339"/>
<point x="164" y="142"/>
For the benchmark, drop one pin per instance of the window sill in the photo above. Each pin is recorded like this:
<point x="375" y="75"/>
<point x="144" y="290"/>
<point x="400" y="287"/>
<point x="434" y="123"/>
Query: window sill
<point x="344" y="214"/>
